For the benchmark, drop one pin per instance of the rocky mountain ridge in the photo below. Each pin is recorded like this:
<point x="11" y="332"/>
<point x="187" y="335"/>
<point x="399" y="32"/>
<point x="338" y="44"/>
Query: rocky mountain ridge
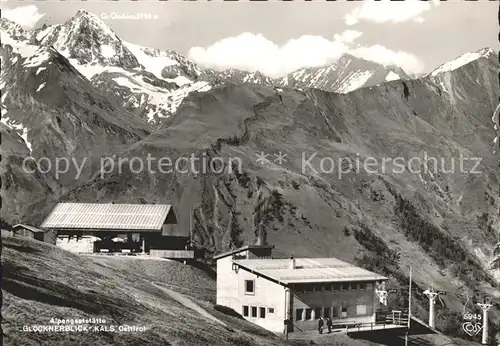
<point x="137" y="72"/>
<point x="313" y="202"/>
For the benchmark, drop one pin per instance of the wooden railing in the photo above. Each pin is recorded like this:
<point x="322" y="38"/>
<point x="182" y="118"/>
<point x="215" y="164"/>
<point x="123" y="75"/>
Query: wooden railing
<point x="390" y="318"/>
<point x="374" y="326"/>
<point x="174" y="254"/>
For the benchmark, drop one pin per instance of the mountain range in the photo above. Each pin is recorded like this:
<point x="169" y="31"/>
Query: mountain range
<point x="77" y="91"/>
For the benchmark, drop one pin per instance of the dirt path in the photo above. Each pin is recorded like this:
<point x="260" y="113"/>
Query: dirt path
<point x="189" y="304"/>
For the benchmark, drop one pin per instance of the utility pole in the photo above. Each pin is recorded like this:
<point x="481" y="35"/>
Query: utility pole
<point x="485" y="306"/>
<point x="409" y="301"/>
<point x="191" y="228"/>
<point x="409" y="311"/>
<point x="432" y="301"/>
<point x="287" y="313"/>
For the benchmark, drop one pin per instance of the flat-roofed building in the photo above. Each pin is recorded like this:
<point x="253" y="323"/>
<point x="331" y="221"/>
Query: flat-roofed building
<point x="295" y="292"/>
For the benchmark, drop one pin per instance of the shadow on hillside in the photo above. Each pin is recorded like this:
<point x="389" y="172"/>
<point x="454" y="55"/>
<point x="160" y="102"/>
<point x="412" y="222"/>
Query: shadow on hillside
<point x="23" y="283"/>
<point x="228" y="311"/>
<point x="212" y="274"/>
<point x="25" y="249"/>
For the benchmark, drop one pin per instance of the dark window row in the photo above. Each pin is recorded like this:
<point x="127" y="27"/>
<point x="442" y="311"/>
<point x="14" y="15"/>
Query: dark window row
<point x="251" y="311"/>
<point x="332" y="312"/>
<point x="334" y="287"/>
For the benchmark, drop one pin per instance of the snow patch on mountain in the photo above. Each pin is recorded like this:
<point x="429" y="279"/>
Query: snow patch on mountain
<point x="21" y="47"/>
<point x="40" y="56"/>
<point x="178" y="95"/>
<point x="107" y="51"/>
<point x="40" y="69"/>
<point x="153" y="64"/>
<point x="40" y="87"/>
<point x="90" y="70"/>
<point x="354" y="81"/>
<point x="21" y="130"/>
<point x="462" y="60"/>
<point x="149" y="94"/>
<point x="157" y="101"/>
<point x="180" y="81"/>
<point x="43" y="33"/>
<point x="391" y="76"/>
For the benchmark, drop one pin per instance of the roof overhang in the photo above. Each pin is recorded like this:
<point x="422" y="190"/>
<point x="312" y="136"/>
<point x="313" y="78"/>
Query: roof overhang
<point x="109" y="217"/>
<point x="311" y="279"/>
<point x="28" y="227"/>
<point x="241" y="249"/>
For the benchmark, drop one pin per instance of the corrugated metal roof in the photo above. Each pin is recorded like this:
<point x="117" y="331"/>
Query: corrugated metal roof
<point x="29" y="227"/>
<point x="309" y="270"/>
<point x="107" y="216"/>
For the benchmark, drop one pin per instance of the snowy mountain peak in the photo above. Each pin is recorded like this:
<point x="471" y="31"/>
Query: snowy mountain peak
<point x="88" y="40"/>
<point x="343" y="75"/>
<point x="85" y="18"/>
<point x="462" y="60"/>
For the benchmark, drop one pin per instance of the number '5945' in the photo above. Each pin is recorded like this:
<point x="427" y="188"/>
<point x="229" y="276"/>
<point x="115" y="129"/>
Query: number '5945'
<point x="469" y="317"/>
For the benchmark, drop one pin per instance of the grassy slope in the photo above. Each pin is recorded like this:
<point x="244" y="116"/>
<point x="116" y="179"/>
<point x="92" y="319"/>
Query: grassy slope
<point x="43" y="282"/>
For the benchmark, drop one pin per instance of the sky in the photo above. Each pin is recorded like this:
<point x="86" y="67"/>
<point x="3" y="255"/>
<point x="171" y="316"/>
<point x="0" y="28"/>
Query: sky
<point x="277" y="37"/>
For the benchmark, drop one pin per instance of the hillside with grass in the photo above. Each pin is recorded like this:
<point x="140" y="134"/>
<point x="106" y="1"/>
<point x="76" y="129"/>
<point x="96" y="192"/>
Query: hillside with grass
<point x="42" y="282"/>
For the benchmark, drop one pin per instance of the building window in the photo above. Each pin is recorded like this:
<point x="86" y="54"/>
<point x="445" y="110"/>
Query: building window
<point x="336" y="287"/>
<point x="327" y="287"/>
<point x="249" y="287"/>
<point x="361" y="310"/>
<point x="309" y="314"/>
<point x="270" y="310"/>
<point x="299" y="289"/>
<point x="345" y="287"/>
<point x="298" y="314"/>
<point x="344" y="312"/>
<point x="245" y="310"/>
<point x="317" y="313"/>
<point x="353" y="287"/>
<point x="254" y="311"/>
<point x="361" y="286"/>
<point x="262" y="312"/>
<point x="326" y="312"/>
<point x="369" y="286"/>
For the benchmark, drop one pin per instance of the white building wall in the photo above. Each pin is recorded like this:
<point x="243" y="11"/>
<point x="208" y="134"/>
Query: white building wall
<point x="231" y="293"/>
<point x="83" y="245"/>
<point x="227" y="283"/>
<point x="268" y="294"/>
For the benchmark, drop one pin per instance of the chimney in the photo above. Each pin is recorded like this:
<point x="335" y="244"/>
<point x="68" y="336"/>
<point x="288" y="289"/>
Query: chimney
<point x="261" y="238"/>
<point x="292" y="263"/>
<point x="258" y="241"/>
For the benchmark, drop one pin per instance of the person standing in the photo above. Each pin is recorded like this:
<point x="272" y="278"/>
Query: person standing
<point x="329" y="324"/>
<point x="320" y="325"/>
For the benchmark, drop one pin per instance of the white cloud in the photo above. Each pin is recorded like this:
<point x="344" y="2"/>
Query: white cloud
<point x="390" y="11"/>
<point x="26" y="16"/>
<point x="348" y="36"/>
<point x="252" y="52"/>
<point x="255" y="52"/>
<point x="408" y="62"/>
